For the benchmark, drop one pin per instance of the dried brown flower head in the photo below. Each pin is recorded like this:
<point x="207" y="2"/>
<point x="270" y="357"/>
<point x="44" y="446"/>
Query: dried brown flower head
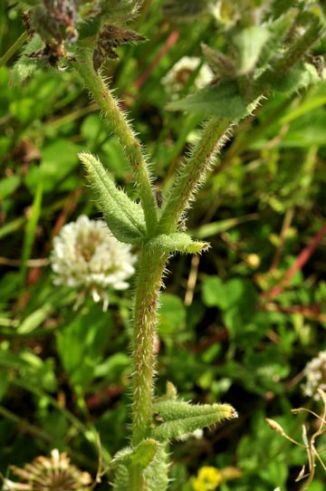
<point x="54" y="473"/>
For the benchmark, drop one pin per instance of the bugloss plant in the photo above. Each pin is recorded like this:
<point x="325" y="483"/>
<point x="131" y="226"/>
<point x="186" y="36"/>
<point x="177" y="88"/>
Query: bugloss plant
<point x="265" y="55"/>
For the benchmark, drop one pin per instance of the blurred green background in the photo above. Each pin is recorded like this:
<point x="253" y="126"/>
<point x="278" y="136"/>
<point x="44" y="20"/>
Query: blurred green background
<point x="226" y="333"/>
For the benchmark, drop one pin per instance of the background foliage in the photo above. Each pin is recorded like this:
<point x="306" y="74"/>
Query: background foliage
<point x="231" y="328"/>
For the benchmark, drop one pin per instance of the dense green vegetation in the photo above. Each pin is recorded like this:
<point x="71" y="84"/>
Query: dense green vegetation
<point x="238" y="324"/>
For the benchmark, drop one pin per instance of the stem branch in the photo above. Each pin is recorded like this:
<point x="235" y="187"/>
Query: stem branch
<point x="193" y="172"/>
<point x="119" y="126"/>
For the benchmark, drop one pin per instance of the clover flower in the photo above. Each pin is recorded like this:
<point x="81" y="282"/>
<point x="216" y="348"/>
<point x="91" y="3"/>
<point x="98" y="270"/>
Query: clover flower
<point x="208" y="479"/>
<point x="88" y="257"/>
<point x="54" y="473"/>
<point x="315" y="372"/>
<point x="180" y="73"/>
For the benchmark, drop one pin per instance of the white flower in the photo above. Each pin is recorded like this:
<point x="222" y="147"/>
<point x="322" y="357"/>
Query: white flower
<point x="315" y="372"/>
<point x="87" y="256"/>
<point x="180" y="73"/>
<point x="197" y="434"/>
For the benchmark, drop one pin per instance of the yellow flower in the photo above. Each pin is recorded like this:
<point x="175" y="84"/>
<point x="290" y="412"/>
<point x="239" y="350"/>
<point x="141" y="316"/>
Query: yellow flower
<point x="208" y="479"/>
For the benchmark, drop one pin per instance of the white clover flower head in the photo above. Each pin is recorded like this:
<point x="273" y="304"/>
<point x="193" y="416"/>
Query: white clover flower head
<point x="180" y="73"/>
<point x="86" y="256"/>
<point x="315" y="372"/>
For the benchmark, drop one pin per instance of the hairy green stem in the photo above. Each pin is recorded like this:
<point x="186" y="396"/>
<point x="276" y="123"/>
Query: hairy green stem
<point x="193" y="172"/>
<point x="149" y="280"/>
<point x="137" y="480"/>
<point x="119" y="126"/>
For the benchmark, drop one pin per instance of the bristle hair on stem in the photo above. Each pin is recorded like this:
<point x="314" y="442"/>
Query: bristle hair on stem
<point x="117" y="123"/>
<point x="193" y="171"/>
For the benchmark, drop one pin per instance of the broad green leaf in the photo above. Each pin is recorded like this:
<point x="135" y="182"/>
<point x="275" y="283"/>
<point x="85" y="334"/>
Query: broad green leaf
<point x="222" y="100"/>
<point x="301" y="76"/>
<point x="172" y="315"/>
<point x="8" y="185"/>
<point x="236" y="292"/>
<point x="81" y="345"/>
<point x="249" y="43"/>
<point x="59" y="158"/>
<point x="113" y="368"/>
<point x="214" y="292"/>
<point x="30" y="368"/>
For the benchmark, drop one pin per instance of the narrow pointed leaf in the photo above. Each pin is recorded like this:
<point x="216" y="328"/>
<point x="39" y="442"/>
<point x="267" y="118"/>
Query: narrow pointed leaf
<point x="150" y="456"/>
<point x="121" y="480"/>
<point x="144" y="453"/>
<point x="156" y="474"/>
<point x="141" y="456"/>
<point x="178" y="242"/>
<point x="222" y="100"/>
<point x="249" y="43"/>
<point x="180" y="417"/>
<point x="124" y="217"/>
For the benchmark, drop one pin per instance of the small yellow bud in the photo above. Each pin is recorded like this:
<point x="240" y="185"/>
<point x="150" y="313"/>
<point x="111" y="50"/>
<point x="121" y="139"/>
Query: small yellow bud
<point x="275" y="426"/>
<point x="253" y="260"/>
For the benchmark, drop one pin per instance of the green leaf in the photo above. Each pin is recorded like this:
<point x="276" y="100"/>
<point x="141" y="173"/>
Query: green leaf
<point x="150" y="456"/>
<point x="301" y="76"/>
<point x="180" y="417"/>
<point x="25" y="65"/>
<point x="59" y="159"/>
<point x="144" y="453"/>
<point x="178" y="242"/>
<point x="156" y="474"/>
<point x="235" y="292"/>
<point x="249" y="43"/>
<point x="114" y="368"/>
<point x="223" y="100"/>
<point x="30" y="368"/>
<point x="214" y="292"/>
<point x="30" y="229"/>
<point x="221" y="65"/>
<point x="35" y="319"/>
<point x="121" y="479"/>
<point x="8" y="185"/>
<point x="81" y="345"/>
<point x="172" y="315"/>
<point x="124" y="217"/>
<point x="141" y="456"/>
